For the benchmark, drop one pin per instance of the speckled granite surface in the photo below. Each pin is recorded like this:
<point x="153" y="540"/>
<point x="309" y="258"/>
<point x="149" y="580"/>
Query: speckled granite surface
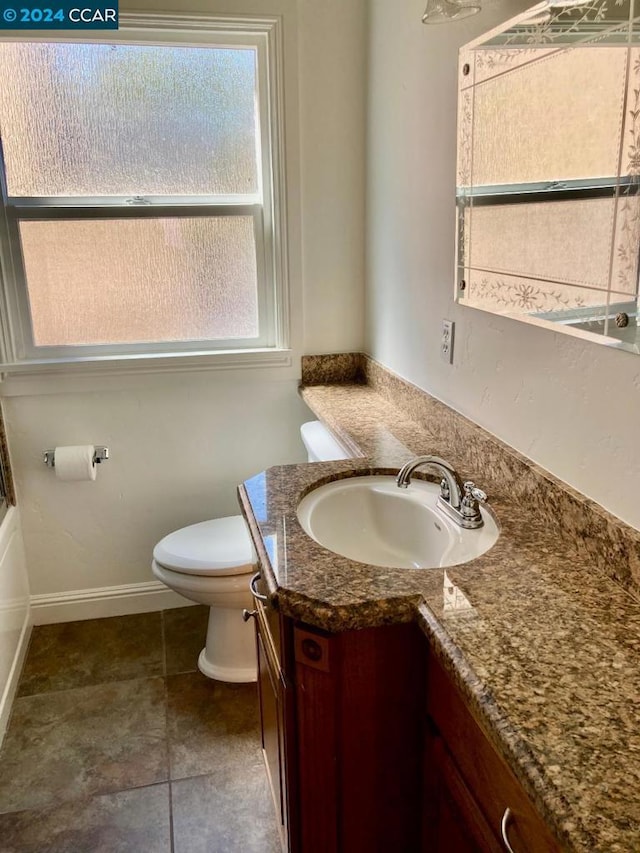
<point x="338" y="367"/>
<point x="542" y="641"/>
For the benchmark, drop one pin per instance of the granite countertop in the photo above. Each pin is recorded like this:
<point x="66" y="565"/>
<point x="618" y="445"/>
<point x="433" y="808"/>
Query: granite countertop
<point x="543" y="643"/>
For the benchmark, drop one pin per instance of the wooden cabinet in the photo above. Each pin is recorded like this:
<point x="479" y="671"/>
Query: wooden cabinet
<point x="460" y="760"/>
<point x="359" y="733"/>
<point x="270" y="692"/>
<point x="370" y="747"/>
<point x="452" y="819"/>
<point x="342" y="734"/>
<point x="276" y="718"/>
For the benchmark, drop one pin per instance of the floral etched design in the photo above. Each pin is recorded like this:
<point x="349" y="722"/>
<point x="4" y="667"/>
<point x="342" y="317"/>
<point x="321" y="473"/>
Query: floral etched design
<point x="525" y="296"/>
<point x="628" y="237"/>
<point x="497" y="59"/>
<point x="633" y="166"/>
<point x="464" y="139"/>
<point x="562" y="22"/>
<point x="627" y="244"/>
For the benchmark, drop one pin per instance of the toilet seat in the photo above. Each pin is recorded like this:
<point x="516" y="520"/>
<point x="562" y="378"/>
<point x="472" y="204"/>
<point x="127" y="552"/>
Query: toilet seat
<point x="220" y="547"/>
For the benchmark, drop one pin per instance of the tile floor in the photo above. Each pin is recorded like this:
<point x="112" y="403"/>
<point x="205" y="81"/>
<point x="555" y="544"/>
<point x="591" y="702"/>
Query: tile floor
<point x="117" y="744"/>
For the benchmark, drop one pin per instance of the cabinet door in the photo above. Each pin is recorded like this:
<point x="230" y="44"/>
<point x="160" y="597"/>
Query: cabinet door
<point x="270" y="721"/>
<point x="494" y="786"/>
<point x="318" y="794"/>
<point x="359" y="725"/>
<point x="453" y="821"/>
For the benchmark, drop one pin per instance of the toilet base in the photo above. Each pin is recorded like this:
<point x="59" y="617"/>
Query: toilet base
<point x="224" y="673"/>
<point x="230" y="650"/>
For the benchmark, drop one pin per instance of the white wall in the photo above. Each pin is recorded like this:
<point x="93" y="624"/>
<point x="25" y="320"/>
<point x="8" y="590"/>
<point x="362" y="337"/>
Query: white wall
<point x="571" y="406"/>
<point x="178" y="449"/>
<point x="332" y="110"/>
<point x="180" y="444"/>
<point x="14" y="611"/>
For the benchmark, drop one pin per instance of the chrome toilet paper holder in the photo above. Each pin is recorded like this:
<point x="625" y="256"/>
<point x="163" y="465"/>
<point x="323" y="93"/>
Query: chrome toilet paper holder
<point x="100" y="454"/>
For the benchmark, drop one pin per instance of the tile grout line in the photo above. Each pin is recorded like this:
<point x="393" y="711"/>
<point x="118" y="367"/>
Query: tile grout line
<point x="171" y="827"/>
<point x="166" y="723"/>
<point x="95" y="681"/>
<point x="172" y="739"/>
<point x="55" y="805"/>
<point x="88" y="686"/>
<point x="164" y="644"/>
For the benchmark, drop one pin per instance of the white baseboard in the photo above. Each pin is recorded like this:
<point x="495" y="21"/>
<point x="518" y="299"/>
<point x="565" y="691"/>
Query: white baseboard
<point x="9" y="692"/>
<point x="96" y="603"/>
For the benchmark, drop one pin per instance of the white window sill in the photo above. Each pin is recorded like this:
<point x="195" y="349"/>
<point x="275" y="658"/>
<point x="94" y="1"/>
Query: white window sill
<point x="62" y="375"/>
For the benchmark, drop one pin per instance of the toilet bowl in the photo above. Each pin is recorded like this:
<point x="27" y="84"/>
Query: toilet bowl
<point x="212" y="563"/>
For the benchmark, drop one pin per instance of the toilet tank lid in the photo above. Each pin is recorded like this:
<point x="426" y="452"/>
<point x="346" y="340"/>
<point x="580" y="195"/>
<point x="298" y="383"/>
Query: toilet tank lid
<point x="219" y="546"/>
<point x="321" y="444"/>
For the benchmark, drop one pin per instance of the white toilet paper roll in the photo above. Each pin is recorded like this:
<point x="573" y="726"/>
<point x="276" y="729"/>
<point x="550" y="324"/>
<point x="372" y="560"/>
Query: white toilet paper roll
<point x="75" y="462"/>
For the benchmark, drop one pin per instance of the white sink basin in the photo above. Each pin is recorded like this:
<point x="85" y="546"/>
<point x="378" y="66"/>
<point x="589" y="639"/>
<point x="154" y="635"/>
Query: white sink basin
<point x="370" y="520"/>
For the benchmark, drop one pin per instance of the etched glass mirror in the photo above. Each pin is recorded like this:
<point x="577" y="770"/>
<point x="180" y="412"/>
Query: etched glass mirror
<point x="549" y="170"/>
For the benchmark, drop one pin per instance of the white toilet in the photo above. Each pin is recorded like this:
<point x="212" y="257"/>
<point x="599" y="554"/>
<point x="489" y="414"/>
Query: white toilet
<point x="212" y="563"/>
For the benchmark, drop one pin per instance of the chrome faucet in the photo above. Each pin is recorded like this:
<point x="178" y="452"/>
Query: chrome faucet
<point x="460" y="501"/>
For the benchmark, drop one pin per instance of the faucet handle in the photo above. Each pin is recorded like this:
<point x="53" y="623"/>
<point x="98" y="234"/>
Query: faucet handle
<point x="445" y="494"/>
<point x="469" y="505"/>
<point x="472" y="492"/>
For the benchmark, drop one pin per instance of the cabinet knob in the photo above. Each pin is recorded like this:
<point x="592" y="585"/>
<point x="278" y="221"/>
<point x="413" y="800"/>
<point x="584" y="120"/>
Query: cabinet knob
<point x="249" y="614"/>
<point x="504" y="827"/>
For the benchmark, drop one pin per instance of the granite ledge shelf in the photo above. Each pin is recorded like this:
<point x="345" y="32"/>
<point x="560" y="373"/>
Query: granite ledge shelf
<point x="541" y="633"/>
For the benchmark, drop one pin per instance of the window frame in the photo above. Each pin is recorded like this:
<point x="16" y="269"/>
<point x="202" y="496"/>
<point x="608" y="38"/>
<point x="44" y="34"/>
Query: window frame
<point x="267" y="207"/>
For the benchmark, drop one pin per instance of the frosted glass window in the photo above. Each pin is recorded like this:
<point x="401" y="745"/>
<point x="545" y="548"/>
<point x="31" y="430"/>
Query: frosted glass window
<point x="143" y="193"/>
<point x="125" y="120"/>
<point x="99" y="281"/>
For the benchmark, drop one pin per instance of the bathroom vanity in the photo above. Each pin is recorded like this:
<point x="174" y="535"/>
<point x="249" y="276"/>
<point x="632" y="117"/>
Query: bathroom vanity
<point x="488" y="706"/>
<point x="370" y="746"/>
